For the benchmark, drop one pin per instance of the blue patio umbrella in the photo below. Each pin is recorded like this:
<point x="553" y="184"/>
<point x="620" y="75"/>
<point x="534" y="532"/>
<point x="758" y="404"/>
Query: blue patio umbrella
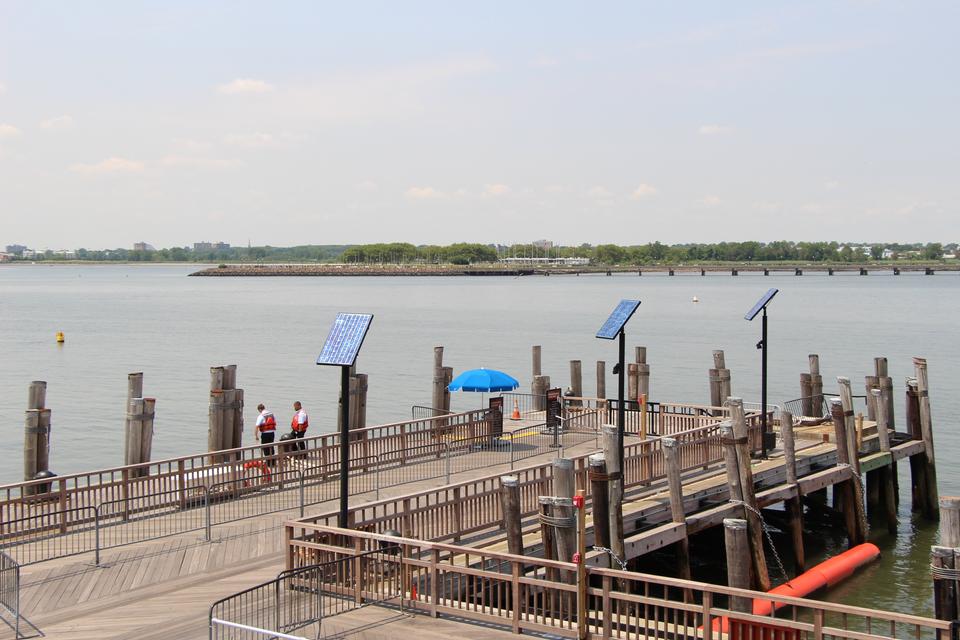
<point x="484" y="381"/>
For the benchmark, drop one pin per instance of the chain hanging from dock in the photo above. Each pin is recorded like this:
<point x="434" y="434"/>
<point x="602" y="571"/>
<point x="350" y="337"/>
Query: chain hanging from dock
<point x="766" y="532"/>
<point x="623" y="565"/>
<point x="859" y="482"/>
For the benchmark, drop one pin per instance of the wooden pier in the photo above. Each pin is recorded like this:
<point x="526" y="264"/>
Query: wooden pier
<point x="468" y="518"/>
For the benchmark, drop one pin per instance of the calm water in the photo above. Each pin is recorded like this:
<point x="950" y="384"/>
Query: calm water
<point x="119" y="319"/>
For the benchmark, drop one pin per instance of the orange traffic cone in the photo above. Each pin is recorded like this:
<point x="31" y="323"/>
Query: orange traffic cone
<point x="516" y="411"/>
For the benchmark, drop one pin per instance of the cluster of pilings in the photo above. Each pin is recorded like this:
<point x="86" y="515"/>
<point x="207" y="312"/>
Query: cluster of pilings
<point x="638" y="377"/>
<point x="225" y="422"/>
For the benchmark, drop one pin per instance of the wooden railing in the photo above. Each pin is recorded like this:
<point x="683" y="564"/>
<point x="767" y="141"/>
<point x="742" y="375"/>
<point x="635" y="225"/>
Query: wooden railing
<point x="460" y="510"/>
<point x="528" y="594"/>
<point x="65" y="503"/>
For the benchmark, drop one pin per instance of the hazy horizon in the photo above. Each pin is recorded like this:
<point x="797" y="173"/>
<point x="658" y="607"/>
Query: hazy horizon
<point x="428" y="122"/>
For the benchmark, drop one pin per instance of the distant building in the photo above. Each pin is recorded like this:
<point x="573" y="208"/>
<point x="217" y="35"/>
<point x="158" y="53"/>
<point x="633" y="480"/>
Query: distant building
<point x="6" y="257"/>
<point x="143" y="246"/>
<point x="573" y="262"/>
<point x="16" y="249"/>
<point x="543" y="244"/>
<point x="210" y="246"/>
<point x="66" y="254"/>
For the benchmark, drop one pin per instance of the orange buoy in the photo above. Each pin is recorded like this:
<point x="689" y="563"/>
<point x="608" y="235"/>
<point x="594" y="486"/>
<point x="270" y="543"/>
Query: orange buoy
<point x="516" y="410"/>
<point x="60" y="337"/>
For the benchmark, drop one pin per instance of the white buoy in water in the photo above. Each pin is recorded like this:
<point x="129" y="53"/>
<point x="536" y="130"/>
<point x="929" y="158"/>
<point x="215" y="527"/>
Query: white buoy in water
<point x="694" y="299"/>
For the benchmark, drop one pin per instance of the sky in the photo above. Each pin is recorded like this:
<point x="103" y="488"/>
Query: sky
<point x="289" y="123"/>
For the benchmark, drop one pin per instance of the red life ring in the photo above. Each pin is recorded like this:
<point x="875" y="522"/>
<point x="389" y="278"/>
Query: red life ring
<point x="262" y="469"/>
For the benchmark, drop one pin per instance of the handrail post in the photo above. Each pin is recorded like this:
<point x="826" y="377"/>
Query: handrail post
<point x="515" y="589"/>
<point x="708" y="614"/>
<point x="303" y="492"/>
<point x="447" y="447"/>
<point x="435" y="584"/>
<point x="182" y="489"/>
<point x="96" y="535"/>
<point x="206" y="508"/>
<point x="512" y="436"/>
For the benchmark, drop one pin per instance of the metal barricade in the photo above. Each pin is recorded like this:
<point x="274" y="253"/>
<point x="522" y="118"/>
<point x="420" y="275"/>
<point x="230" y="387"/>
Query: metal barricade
<point x="298" y="599"/>
<point x="10" y="591"/>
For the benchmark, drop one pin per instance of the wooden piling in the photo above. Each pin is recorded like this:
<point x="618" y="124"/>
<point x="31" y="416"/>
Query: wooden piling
<point x="146" y="434"/>
<point x="846" y="401"/>
<point x="611" y="454"/>
<point x="601" y="379"/>
<point x="713" y="376"/>
<point x="816" y="382"/>
<point x="632" y="383"/>
<point x="215" y="411"/>
<point x="600" y="499"/>
<point x="33" y="439"/>
<point x="361" y="413"/>
<point x="438" y="379"/>
<point x="869" y="384"/>
<point x="754" y="524"/>
<point x="447" y="379"/>
<point x="851" y="500"/>
<point x="510" y="507"/>
<point x="564" y="487"/>
<point x="643" y="372"/>
<point x="926" y="432"/>
<point x="719" y="362"/>
<point x="539" y="391"/>
<point x="737" y="544"/>
<point x="576" y="379"/>
<point x="918" y="467"/>
<point x="134" y="434"/>
<point x="677" y="511"/>
<point x="885" y="475"/>
<point x="537" y="370"/>
<point x="793" y="506"/>
<point x="806" y="401"/>
<point x="943" y="564"/>
<point x="886" y="385"/>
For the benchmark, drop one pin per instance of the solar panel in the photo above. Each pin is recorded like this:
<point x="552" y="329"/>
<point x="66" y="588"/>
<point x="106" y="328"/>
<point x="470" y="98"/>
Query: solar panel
<point x="344" y="340"/>
<point x="617" y="319"/>
<point x="761" y="303"/>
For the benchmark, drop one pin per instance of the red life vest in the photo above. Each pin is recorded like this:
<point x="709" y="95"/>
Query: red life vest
<point x="269" y="423"/>
<point x="296" y="426"/>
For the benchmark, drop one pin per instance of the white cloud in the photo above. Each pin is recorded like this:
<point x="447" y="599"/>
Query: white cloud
<point x="495" y="190"/>
<point x="57" y="123"/>
<point x="199" y="162"/>
<point x="423" y="193"/>
<point x="188" y="145"/>
<point x="257" y="140"/>
<point x="812" y="207"/>
<point x="715" y="129"/>
<point x="599" y="192"/>
<point x="556" y="188"/>
<point x="8" y="130"/>
<point x="643" y="191"/>
<point x="368" y="185"/>
<point x="110" y="165"/>
<point x="245" y="85"/>
<point x="710" y="201"/>
<point x="831" y="184"/>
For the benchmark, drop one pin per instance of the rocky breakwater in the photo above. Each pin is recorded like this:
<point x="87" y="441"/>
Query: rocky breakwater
<point x="265" y="270"/>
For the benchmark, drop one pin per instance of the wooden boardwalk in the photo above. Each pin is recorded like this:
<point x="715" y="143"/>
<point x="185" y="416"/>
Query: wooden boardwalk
<point x="164" y="588"/>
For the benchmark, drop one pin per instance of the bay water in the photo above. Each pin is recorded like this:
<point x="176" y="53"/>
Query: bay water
<point x="153" y="318"/>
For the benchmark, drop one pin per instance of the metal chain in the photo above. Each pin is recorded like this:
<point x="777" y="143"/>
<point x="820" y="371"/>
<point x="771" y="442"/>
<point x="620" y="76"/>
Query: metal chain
<point x="863" y="512"/>
<point x="766" y="532"/>
<point x="623" y="565"/>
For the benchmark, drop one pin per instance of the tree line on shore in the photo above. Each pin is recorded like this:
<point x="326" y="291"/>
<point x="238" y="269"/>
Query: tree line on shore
<point x="472" y="253"/>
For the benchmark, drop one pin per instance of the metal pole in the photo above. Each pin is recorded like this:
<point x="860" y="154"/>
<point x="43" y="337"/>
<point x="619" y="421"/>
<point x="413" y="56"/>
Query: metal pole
<point x="206" y="510"/>
<point x="96" y="537"/>
<point x="344" y="445"/>
<point x="621" y="409"/>
<point x="763" y="386"/>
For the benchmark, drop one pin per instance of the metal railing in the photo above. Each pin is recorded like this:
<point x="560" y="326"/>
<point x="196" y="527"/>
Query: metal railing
<point x="302" y="597"/>
<point x="246" y="492"/>
<point x="10" y="592"/>
<point x="531" y="595"/>
<point x="422" y="412"/>
<point x="817" y="406"/>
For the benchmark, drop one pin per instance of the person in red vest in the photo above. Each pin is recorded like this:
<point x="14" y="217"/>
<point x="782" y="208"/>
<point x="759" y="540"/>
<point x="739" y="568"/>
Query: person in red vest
<point x="299" y="424"/>
<point x="266" y="429"/>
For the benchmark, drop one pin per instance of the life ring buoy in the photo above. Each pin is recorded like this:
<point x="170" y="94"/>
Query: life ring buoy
<point x="262" y="470"/>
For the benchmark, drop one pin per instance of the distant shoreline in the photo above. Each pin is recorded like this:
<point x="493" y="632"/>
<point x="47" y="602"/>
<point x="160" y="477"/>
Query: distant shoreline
<point x="328" y="270"/>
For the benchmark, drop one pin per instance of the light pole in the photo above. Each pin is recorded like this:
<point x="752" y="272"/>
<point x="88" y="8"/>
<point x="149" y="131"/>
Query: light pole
<point x="340" y="350"/>
<point x="761" y="305"/>
<point x="613" y="328"/>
